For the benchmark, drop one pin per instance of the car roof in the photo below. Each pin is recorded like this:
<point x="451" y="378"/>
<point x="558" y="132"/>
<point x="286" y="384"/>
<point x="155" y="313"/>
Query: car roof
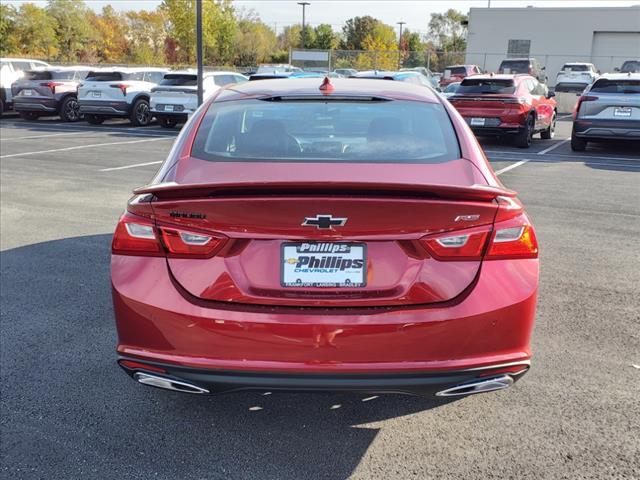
<point x="498" y="76"/>
<point x="11" y="59"/>
<point x="620" y="76"/>
<point x="578" y="63"/>
<point x="342" y="87"/>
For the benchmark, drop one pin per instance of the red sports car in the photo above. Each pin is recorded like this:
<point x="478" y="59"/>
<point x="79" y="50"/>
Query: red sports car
<point x="307" y="235"/>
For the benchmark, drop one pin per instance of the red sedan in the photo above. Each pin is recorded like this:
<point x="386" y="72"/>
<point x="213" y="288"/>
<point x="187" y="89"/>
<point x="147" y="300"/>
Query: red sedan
<point x="507" y="105"/>
<point x="314" y="236"/>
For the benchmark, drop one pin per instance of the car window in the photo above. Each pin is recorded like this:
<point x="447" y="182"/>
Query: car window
<point x="80" y="74"/>
<point x="457" y="70"/>
<point x="624" y="86"/>
<point x="37" y="75"/>
<point x="514" y="66"/>
<point x="576" y="68"/>
<point x="630" y="66"/>
<point x="104" y="76"/>
<point x="320" y="130"/>
<point x="239" y="79"/>
<point x="63" y="75"/>
<point x="21" y="66"/>
<point x="180" y="79"/>
<point x="486" y="85"/>
<point x="153" y="77"/>
<point x="222" y="80"/>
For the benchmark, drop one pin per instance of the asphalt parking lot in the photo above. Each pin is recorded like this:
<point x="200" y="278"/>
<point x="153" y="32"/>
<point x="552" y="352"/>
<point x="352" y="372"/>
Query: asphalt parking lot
<point x="69" y="412"/>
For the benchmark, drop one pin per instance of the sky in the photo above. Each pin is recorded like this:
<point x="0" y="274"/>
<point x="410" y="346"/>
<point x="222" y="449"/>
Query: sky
<point x="416" y="13"/>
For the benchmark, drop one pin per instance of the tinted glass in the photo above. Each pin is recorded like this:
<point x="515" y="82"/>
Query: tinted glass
<point x="21" y="66"/>
<point x="631" y="66"/>
<point x="616" y="86"/>
<point x="451" y="88"/>
<point x="104" y="76"/>
<point x="576" y="68"/>
<point x="457" y="70"/>
<point x="63" y="75"/>
<point x="153" y="77"/>
<point x="486" y="85"/>
<point x="35" y="75"/>
<point x="321" y="130"/>
<point x="180" y="80"/>
<point x="515" y="66"/>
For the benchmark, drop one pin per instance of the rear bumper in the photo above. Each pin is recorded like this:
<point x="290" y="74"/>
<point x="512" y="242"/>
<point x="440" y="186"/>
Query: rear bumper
<point x="26" y="104"/>
<point x="496" y="131"/>
<point x="192" y="380"/>
<point x="179" y="116"/>
<point x="107" y="108"/>
<point x="607" y="129"/>
<point x="490" y="325"/>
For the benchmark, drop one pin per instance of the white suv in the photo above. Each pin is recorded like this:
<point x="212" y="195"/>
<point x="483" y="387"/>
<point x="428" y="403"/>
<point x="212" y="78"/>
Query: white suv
<point x="574" y="77"/>
<point x="12" y="69"/>
<point x="118" y="92"/>
<point x="176" y="97"/>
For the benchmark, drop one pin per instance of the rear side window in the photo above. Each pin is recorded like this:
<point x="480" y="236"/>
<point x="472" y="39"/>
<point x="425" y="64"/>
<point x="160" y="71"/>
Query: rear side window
<point x="104" y="76"/>
<point x="305" y="130"/>
<point x="153" y="77"/>
<point x="21" y="66"/>
<point x="630" y="66"/>
<point x="222" y="80"/>
<point x="37" y="75"/>
<point x="179" y="80"/>
<point x="517" y="66"/>
<point x="616" y="86"/>
<point x="486" y="85"/>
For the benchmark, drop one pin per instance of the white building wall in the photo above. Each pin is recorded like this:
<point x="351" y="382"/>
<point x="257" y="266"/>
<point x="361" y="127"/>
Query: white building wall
<point x="557" y="35"/>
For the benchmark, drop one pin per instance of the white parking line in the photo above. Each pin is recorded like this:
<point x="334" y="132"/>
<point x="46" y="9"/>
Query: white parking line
<point x="44" y="136"/>
<point x="553" y="147"/>
<point x="566" y="115"/>
<point x="121" y="131"/>
<point x="97" y="128"/>
<point x="512" y="166"/>
<point x="79" y="147"/>
<point x="111" y="169"/>
<point x="574" y="157"/>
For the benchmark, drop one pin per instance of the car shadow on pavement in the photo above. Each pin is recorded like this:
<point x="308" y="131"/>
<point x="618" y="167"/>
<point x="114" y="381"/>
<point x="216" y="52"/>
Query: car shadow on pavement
<point x="69" y="411"/>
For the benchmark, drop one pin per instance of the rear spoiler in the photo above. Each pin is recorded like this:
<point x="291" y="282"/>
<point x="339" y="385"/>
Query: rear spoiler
<point x="171" y="190"/>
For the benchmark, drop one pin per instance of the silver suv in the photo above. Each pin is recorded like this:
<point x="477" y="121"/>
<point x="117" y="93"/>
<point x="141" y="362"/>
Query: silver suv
<point x="608" y="109"/>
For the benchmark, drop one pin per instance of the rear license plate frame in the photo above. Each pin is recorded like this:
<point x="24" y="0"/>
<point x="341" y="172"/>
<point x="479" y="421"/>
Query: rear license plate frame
<point x="624" y="112"/>
<point x="340" y="250"/>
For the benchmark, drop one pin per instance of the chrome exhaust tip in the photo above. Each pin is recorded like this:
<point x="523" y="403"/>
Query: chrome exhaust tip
<point x="167" y="383"/>
<point x="478" y="386"/>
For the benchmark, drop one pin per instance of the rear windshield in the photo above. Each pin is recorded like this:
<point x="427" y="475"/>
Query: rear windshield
<point x="376" y="131"/>
<point x="486" y="85"/>
<point x="105" y="76"/>
<point x="630" y="66"/>
<point x="514" y="66"/>
<point x="616" y="86"/>
<point x="37" y="75"/>
<point x="451" y="88"/>
<point x="576" y="68"/>
<point x="180" y="79"/>
<point x="457" y="70"/>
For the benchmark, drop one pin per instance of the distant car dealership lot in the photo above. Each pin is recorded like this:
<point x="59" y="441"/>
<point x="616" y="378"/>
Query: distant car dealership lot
<point x="68" y="409"/>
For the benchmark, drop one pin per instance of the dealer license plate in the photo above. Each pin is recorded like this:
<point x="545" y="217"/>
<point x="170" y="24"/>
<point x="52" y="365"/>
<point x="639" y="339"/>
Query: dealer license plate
<point x="477" y="122"/>
<point x="168" y="108"/>
<point x="96" y="94"/>
<point x="27" y="92"/>
<point x="622" y="112"/>
<point x="323" y="264"/>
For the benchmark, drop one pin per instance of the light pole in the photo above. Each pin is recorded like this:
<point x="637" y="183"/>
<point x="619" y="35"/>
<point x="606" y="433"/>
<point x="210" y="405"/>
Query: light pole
<point x="199" y="48"/>
<point x="400" y="45"/>
<point x="304" y="30"/>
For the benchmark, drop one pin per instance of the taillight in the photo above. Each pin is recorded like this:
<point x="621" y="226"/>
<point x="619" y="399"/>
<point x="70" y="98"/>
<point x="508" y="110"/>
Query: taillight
<point x="514" y="238"/>
<point x="583" y="98"/>
<point x="121" y="86"/>
<point x="466" y="244"/>
<point x="518" y="100"/>
<point x="511" y="238"/>
<point x="137" y="235"/>
<point x="52" y="85"/>
<point x="181" y="243"/>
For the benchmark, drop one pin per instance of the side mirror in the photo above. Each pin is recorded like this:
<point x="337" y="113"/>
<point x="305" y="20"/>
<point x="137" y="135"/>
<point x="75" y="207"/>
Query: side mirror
<point x="544" y="68"/>
<point x="599" y="72"/>
<point x="550" y="94"/>
<point x="616" y="69"/>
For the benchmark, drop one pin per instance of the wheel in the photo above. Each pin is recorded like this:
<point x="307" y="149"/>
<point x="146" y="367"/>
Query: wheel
<point x="523" y="138"/>
<point x="577" y="144"/>
<point x="94" y="119"/>
<point x="167" y="122"/>
<point x="70" y="109"/>
<point x="550" y="132"/>
<point x="29" y="115"/>
<point x="141" y="114"/>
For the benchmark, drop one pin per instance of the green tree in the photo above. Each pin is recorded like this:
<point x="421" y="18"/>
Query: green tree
<point x="75" y="35"/>
<point x="146" y="35"/>
<point x="111" y="45"/>
<point x="325" y="38"/>
<point x="218" y="28"/>
<point x="449" y="30"/>
<point x="355" y="31"/>
<point x="7" y="29"/>
<point x="412" y="49"/>
<point x="255" y="41"/>
<point x="291" y="37"/>
<point x="35" y="32"/>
